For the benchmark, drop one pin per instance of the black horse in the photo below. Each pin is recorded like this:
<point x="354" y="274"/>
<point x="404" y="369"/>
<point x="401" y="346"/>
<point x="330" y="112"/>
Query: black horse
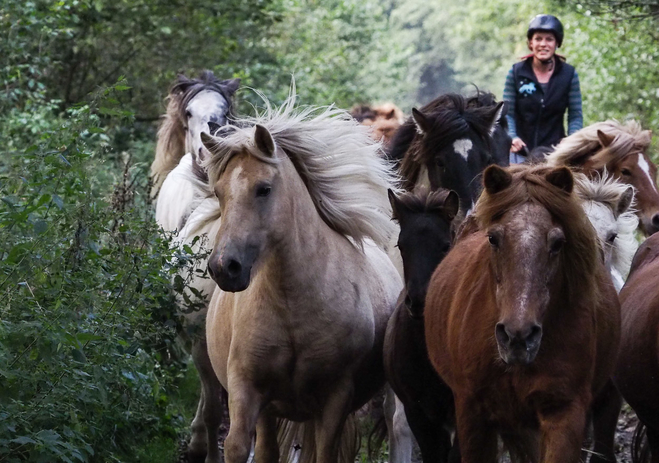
<point x="426" y="230"/>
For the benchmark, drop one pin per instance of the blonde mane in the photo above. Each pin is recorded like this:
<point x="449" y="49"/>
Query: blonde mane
<point x="337" y="160"/>
<point x="170" y="146"/>
<point x="628" y="138"/>
<point x="605" y="189"/>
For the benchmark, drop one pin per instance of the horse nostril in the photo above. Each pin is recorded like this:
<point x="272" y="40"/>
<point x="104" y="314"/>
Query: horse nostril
<point x="213" y="127"/>
<point x="534" y="336"/>
<point x="211" y="270"/>
<point x="655" y="220"/>
<point x="501" y="334"/>
<point x="234" y="268"/>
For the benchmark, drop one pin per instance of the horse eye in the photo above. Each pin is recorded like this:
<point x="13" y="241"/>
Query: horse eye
<point x="213" y="127"/>
<point x="263" y="191"/>
<point x="556" y="246"/>
<point x="494" y="241"/>
<point x="439" y="162"/>
<point x="188" y="114"/>
<point x="626" y="172"/>
<point x="611" y="238"/>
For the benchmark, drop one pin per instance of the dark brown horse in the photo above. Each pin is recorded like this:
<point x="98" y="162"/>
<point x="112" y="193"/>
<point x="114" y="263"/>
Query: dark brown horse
<point x="426" y="231"/>
<point x="447" y="143"/>
<point x="522" y="320"/>
<point x="637" y="373"/>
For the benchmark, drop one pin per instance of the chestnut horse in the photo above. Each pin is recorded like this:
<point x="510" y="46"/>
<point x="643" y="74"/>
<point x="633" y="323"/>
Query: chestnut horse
<point x="426" y="232"/>
<point x="383" y="120"/>
<point x="637" y="373"/>
<point x="447" y="144"/>
<point x="296" y="331"/>
<point x="522" y="320"/>
<point x="620" y="149"/>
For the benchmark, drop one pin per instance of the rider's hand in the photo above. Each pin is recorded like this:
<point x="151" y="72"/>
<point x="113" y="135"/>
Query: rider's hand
<point x="517" y="145"/>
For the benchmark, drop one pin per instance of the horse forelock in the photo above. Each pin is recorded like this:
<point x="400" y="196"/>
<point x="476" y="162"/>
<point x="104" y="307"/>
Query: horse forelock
<point x="424" y="200"/>
<point x="337" y="160"/>
<point x="580" y="254"/>
<point x="585" y="145"/>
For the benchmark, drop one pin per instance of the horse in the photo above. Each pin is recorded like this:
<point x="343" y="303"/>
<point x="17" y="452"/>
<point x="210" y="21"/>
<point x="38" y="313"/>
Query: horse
<point x="621" y="149"/>
<point x="522" y="321"/>
<point x="637" y="371"/>
<point x="427" y="225"/>
<point x="501" y="140"/>
<point x="195" y="106"/>
<point x="446" y="144"/>
<point x="297" y="327"/>
<point x="384" y="120"/>
<point x="608" y="205"/>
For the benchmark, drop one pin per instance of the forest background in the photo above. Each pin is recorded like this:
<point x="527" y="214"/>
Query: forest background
<point x="90" y="369"/>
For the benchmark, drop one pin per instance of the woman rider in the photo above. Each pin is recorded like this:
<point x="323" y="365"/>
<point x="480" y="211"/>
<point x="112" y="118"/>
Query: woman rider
<point x="539" y="89"/>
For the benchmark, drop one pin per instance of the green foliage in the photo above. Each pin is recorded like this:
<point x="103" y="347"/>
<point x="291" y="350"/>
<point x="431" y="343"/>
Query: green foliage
<point x="87" y="328"/>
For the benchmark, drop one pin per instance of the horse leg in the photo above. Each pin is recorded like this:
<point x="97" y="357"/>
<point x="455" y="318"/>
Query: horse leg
<point x="211" y="398"/>
<point x="478" y="439"/>
<point x="245" y="404"/>
<point x="266" y="449"/>
<point x="434" y="441"/>
<point x="399" y="432"/>
<point x="198" y="446"/>
<point x="562" y="433"/>
<point x="329" y="426"/>
<point x="605" y="409"/>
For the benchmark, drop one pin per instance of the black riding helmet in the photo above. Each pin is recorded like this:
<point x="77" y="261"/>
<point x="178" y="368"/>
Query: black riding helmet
<point x="546" y="23"/>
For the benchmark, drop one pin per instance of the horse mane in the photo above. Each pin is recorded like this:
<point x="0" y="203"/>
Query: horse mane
<point x="529" y="184"/>
<point x="423" y="200"/>
<point x="451" y="118"/>
<point x="628" y="137"/>
<point x="336" y="158"/>
<point x="606" y="190"/>
<point x="170" y="146"/>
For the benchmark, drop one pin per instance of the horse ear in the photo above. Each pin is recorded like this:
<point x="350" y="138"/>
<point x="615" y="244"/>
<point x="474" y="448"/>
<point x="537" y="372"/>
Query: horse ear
<point x="264" y="141"/>
<point x="452" y="204"/>
<point x="562" y="178"/>
<point x="605" y="139"/>
<point x="625" y="200"/>
<point x="209" y="142"/>
<point x="421" y="121"/>
<point x="231" y="85"/>
<point x="504" y="109"/>
<point x="496" y="179"/>
<point x="391" y="114"/>
<point x="395" y="203"/>
<point x="497" y="114"/>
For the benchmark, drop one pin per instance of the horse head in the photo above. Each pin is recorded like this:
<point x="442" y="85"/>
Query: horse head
<point x="540" y="245"/>
<point x="426" y="232"/>
<point x="455" y="145"/>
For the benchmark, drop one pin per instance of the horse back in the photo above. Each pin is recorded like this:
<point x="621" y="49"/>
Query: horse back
<point x="637" y="371"/>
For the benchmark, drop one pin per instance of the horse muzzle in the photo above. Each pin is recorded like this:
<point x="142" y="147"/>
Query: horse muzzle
<point x="518" y="345"/>
<point x="231" y="273"/>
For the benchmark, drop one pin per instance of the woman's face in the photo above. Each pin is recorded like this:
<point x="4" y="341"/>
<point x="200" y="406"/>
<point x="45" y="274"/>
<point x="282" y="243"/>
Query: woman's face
<point x="543" y="45"/>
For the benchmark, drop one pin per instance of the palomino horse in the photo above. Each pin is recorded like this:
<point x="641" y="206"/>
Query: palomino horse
<point x="621" y="149"/>
<point x="446" y="144"/>
<point x="298" y="328"/>
<point x="426" y="232"/>
<point x="608" y="203"/>
<point x="195" y="106"/>
<point x="522" y="320"/>
<point x="384" y="120"/>
<point x="637" y="373"/>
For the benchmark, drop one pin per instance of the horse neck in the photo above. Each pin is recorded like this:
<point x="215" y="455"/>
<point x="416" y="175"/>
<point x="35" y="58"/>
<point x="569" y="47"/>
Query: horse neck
<point x="301" y="257"/>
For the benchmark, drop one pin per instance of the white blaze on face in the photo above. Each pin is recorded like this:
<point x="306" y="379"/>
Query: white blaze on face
<point x="423" y="181"/>
<point x="236" y="182"/>
<point x="462" y="147"/>
<point x="645" y="167"/>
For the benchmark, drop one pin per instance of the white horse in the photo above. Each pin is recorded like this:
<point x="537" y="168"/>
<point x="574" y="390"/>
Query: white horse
<point x="609" y="207"/>
<point x="195" y="106"/>
<point x="307" y="290"/>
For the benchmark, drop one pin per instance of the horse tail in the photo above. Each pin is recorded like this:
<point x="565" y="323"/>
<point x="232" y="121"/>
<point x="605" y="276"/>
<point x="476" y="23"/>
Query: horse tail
<point x="297" y="441"/>
<point x="640" y="444"/>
